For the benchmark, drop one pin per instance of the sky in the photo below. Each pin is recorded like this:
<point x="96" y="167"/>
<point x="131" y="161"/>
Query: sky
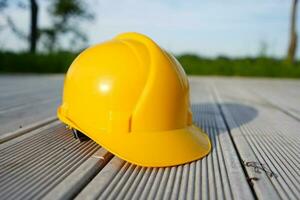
<point x="205" y="27"/>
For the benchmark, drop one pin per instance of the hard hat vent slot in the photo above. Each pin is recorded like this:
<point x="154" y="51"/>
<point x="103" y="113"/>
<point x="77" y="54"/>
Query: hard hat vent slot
<point x="129" y="125"/>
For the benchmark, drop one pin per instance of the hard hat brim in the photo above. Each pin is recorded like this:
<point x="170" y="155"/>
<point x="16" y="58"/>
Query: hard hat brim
<point x="152" y="149"/>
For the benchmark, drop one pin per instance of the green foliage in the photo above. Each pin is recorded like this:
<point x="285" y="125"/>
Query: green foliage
<point x="193" y="65"/>
<point x="259" y="67"/>
<point x="69" y="8"/>
<point x="35" y="63"/>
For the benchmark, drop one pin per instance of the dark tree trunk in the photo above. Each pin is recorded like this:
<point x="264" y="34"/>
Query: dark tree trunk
<point x="293" y="34"/>
<point x="33" y="26"/>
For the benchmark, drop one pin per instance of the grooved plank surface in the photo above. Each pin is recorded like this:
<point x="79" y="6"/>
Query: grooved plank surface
<point x="285" y="97"/>
<point x="33" y="166"/>
<point x="271" y="140"/>
<point x="253" y="125"/>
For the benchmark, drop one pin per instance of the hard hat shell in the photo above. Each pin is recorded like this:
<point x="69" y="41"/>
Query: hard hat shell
<point x="132" y="97"/>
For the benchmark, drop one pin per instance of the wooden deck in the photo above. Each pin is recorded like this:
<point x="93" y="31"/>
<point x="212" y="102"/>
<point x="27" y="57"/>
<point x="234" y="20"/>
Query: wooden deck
<point x="254" y="126"/>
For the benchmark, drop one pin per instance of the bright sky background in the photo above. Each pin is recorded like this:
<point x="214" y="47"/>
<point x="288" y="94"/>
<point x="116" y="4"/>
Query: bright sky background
<point x="205" y="27"/>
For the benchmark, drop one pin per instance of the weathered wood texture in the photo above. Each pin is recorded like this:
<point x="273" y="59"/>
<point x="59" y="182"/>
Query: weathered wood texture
<point x="271" y="139"/>
<point x="253" y="125"/>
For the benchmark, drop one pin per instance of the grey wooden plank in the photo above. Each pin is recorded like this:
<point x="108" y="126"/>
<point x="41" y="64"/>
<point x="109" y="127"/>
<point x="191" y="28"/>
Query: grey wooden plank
<point x="25" y="116"/>
<point x="31" y="167"/>
<point x="280" y="93"/>
<point x="271" y="138"/>
<point x="20" y="100"/>
<point x="10" y="135"/>
<point x="11" y="86"/>
<point x="110" y="170"/>
<point x="27" y="99"/>
<point x="282" y="98"/>
<point x="73" y="183"/>
<point x="219" y="175"/>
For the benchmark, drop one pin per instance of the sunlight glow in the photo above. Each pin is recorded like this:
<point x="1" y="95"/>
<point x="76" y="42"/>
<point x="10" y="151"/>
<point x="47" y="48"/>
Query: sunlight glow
<point x="104" y="87"/>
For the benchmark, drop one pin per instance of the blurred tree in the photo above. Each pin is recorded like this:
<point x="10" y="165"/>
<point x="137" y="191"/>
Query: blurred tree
<point x="3" y="5"/>
<point x="65" y="15"/>
<point x="32" y="37"/>
<point x="293" y="34"/>
<point x="263" y="51"/>
<point x="33" y="25"/>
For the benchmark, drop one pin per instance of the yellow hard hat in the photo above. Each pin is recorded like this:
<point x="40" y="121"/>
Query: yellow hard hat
<point x="132" y="97"/>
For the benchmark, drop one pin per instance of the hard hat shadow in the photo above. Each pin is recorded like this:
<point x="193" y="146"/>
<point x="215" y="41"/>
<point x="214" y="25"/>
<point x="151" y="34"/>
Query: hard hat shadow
<point x="211" y="118"/>
<point x="210" y="114"/>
